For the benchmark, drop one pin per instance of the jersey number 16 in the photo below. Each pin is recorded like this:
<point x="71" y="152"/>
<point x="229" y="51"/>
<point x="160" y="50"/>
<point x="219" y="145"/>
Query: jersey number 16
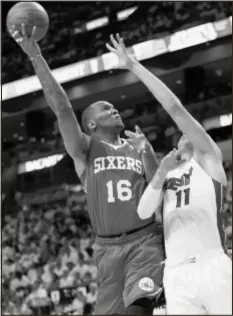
<point x="122" y="190"/>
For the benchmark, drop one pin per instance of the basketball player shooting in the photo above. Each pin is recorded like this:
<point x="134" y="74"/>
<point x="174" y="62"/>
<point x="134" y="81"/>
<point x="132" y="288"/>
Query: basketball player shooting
<point x="188" y="186"/>
<point x="129" y="251"/>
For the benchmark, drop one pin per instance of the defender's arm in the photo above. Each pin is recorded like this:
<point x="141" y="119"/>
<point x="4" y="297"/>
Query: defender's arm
<point x="172" y="105"/>
<point x="152" y="196"/>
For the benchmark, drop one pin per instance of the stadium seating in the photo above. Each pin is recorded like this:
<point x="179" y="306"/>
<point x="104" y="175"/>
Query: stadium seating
<point x="64" y="44"/>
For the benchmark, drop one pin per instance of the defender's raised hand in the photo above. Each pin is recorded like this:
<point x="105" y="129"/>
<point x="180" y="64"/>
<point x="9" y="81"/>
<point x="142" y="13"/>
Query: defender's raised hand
<point x="137" y="139"/>
<point x="170" y="161"/>
<point x="28" y="44"/>
<point x="126" y="60"/>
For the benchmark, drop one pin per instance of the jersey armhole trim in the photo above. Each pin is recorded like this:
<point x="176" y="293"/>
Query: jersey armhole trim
<point x="219" y="195"/>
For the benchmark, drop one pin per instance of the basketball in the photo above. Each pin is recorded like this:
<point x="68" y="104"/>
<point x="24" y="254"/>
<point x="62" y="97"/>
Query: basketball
<point x="29" y="13"/>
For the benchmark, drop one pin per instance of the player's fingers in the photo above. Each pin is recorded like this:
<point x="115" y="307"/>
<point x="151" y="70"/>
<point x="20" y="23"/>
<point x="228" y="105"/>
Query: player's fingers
<point x="17" y="36"/>
<point x="172" y="153"/>
<point x="114" y="42"/>
<point x="130" y="141"/>
<point x="138" y="130"/>
<point x="23" y="30"/>
<point x="110" y="48"/>
<point x="12" y="29"/>
<point x="130" y="134"/>
<point x="121" y="41"/>
<point x="33" y="31"/>
<point x="19" y="40"/>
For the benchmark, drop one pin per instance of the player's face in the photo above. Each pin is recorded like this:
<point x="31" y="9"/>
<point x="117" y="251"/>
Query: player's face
<point x="107" y="117"/>
<point x="185" y="143"/>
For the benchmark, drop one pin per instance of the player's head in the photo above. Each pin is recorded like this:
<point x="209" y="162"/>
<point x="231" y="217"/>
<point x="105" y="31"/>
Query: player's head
<point x="187" y="146"/>
<point x="101" y="116"/>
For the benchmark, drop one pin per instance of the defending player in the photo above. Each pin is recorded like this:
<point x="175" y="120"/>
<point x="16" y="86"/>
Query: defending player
<point x="129" y="252"/>
<point x="189" y="185"/>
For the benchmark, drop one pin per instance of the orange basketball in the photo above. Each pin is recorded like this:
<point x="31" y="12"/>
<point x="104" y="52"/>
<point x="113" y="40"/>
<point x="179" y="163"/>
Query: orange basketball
<point x="29" y="13"/>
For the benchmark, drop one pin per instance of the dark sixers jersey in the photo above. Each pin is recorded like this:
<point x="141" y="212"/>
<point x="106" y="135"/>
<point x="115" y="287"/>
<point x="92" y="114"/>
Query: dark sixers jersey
<point x="114" y="184"/>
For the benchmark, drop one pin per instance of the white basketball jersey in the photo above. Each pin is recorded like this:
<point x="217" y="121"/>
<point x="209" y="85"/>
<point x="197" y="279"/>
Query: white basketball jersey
<point x="193" y="202"/>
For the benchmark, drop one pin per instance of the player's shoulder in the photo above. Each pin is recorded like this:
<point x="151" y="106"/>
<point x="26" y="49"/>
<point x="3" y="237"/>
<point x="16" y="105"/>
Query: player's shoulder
<point x="213" y="168"/>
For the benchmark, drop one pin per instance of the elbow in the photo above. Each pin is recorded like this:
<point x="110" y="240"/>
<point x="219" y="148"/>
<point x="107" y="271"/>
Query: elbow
<point x="143" y="214"/>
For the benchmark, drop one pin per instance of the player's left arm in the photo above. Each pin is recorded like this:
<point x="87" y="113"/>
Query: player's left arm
<point x="139" y="141"/>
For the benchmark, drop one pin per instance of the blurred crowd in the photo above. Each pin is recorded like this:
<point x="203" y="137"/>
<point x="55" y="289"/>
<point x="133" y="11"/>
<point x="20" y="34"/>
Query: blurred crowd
<point x="68" y="42"/>
<point x="47" y="262"/>
<point x="47" y="257"/>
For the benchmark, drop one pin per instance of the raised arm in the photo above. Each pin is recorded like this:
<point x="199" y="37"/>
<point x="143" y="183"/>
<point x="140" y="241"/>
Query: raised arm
<point x="75" y="141"/>
<point x="172" y="105"/>
<point x="208" y="154"/>
<point x="152" y="197"/>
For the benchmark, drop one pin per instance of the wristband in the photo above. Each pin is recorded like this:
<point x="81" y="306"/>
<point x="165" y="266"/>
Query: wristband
<point x="34" y="58"/>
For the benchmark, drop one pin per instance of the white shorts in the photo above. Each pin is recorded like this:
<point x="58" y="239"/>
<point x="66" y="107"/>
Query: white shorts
<point x="199" y="285"/>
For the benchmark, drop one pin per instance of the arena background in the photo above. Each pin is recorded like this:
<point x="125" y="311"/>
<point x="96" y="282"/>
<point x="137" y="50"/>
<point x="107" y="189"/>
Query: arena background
<point x="47" y="264"/>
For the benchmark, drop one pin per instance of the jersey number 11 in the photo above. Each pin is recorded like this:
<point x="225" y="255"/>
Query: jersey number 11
<point x="179" y="195"/>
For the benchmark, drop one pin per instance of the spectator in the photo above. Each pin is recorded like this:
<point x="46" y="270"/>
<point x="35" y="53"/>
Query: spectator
<point x="78" y="303"/>
<point x="67" y="279"/>
<point x="38" y="297"/>
<point x="59" y="268"/>
<point x="32" y="274"/>
<point x="20" y="281"/>
<point x="91" y="298"/>
<point x="68" y="253"/>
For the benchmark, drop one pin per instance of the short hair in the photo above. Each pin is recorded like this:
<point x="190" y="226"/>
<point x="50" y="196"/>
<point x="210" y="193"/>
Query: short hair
<point x="88" y="114"/>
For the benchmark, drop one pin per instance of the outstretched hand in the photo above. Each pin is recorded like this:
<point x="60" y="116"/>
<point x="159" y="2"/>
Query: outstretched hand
<point x="170" y="161"/>
<point x="126" y="59"/>
<point x="28" y="44"/>
<point x="137" y="139"/>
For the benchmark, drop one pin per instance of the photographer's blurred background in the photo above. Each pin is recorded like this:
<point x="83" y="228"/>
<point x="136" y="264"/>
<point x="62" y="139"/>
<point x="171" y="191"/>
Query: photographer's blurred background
<point x="47" y="263"/>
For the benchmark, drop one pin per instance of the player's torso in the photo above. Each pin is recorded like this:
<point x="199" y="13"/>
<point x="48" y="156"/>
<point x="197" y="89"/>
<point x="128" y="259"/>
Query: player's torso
<point x="115" y="182"/>
<point x="191" y="213"/>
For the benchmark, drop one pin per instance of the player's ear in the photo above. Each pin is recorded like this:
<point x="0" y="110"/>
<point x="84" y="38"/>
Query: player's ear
<point x="91" y="126"/>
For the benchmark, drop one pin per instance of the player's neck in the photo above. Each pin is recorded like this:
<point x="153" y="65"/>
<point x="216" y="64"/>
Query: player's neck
<point x="111" y="138"/>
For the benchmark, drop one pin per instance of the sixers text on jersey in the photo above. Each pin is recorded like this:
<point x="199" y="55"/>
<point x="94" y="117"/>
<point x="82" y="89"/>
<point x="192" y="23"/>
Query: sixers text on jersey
<point x="119" y="162"/>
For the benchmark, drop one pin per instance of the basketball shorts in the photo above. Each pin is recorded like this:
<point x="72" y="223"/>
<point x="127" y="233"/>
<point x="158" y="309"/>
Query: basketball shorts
<point x="130" y="268"/>
<point x="199" y="285"/>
